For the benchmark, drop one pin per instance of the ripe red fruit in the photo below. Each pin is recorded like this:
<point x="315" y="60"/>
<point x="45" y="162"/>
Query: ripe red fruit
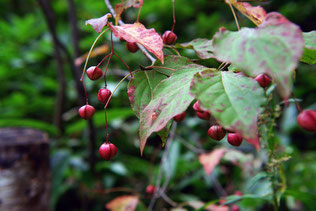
<point x="169" y="37"/>
<point x="196" y="106"/>
<point x="86" y="111"/>
<point x="203" y="115"/>
<point x="107" y="151"/>
<point x="216" y="132"/>
<point x="132" y="47"/>
<point x="104" y="95"/>
<point x="263" y="80"/>
<point x="234" y="139"/>
<point x="94" y="73"/>
<point x="150" y="189"/>
<point x="307" y="120"/>
<point x="179" y="117"/>
<point x="235" y="207"/>
<point x="238" y="193"/>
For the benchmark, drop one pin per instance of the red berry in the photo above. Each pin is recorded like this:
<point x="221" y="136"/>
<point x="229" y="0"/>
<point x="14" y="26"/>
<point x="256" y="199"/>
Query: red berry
<point x="107" y="151"/>
<point x="203" y="115"/>
<point x="238" y="193"/>
<point x="179" y="117"/>
<point x="104" y="95"/>
<point x="169" y="37"/>
<point x="150" y="189"/>
<point x="132" y="47"/>
<point x="94" y="73"/>
<point x="196" y="106"/>
<point x="222" y="201"/>
<point x="235" y="207"/>
<point x="86" y="111"/>
<point x="234" y="139"/>
<point x="216" y="132"/>
<point x="263" y="80"/>
<point x="307" y="120"/>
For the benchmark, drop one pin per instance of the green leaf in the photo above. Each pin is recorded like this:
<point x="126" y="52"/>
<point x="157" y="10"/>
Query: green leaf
<point x="202" y="47"/>
<point x="171" y="97"/>
<point x="140" y="89"/>
<point x="274" y="48"/>
<point x="309" y="55"/>
<point x="233" y="99"/>
<point x="171" y="64"/>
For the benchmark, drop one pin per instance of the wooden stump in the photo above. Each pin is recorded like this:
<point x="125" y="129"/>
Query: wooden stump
<point x="24" y="170"/>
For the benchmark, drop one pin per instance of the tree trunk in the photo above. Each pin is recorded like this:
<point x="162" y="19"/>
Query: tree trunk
<point x="24" y="170"/>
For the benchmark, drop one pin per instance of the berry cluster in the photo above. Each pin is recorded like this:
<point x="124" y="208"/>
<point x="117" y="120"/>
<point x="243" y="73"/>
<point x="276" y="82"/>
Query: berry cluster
<point x="107" y="150"/>
<point x="216" y="132"/>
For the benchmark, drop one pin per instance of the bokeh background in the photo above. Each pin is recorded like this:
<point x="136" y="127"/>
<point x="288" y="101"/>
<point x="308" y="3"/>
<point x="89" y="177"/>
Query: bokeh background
<point x="39" y="75"/>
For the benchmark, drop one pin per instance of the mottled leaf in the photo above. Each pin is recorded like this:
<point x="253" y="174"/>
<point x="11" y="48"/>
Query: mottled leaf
<point x="274" y="48"/>
<point x="210" y="160"/>
<point x="202" y="47"/>
<point x="123" y="203"/>
<point x="98" y="23"/>
<point x="171" y="64"/>
<point x="255" y="14"/>
<point x="171" y="97"/>
<point x="233" y="99"/>
<point x="140" y="89"/>
<point x="137" y="32"/>
<point x="119" y="8"/>
<point x="309" y="55"/>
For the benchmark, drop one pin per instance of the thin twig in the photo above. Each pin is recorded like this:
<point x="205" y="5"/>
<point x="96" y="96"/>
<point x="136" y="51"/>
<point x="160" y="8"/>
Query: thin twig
<point x="174" y="16"/>
<point x="218" y="187"/>
<point x="168" y="200"/>
<point x="190" y="146"/>
<point x="142" y="48"/>
<point x="159" y="191"/>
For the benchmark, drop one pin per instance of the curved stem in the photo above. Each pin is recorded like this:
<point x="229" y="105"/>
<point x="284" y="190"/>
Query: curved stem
<point x="140" y="9"/>
<point x="124" y="63"/>
<point x="87" y="59"/>
<point x="103" y="60"/>
<point x="298" y="107"/>
<point x="106" y="68"/>
<point x="118" y="86"/>
<point x="233" y="11"/>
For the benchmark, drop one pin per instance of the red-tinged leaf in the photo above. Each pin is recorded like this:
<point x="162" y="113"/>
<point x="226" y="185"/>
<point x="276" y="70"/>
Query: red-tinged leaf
<point x="309" y="55"/>
<point x="233" y="99"/>
<point x="123" y="203"/>
<point x="119" y="8"/>
<point x="98" y="23"/>
<point x="140" y="89"/>
<point x="171" y="97"/>
<point x="255" y="14"/>
<point x="202" y="47"/>
<point x="210" y="160"/>
<point x="274" y="48"/>
<point x="137" y="32"/>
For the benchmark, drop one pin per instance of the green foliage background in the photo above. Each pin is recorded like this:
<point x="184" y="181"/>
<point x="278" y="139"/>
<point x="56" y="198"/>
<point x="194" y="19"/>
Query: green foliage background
<point x="29" y="84"/>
